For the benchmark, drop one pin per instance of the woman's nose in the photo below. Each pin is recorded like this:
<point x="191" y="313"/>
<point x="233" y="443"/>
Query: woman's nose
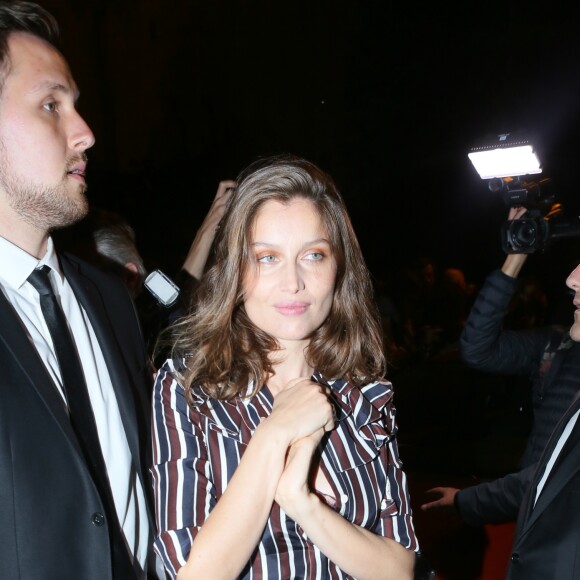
<point x="292" y="280"/>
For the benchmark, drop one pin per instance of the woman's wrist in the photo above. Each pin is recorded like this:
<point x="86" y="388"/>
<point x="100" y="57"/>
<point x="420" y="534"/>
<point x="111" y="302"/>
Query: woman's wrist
<point x="303" y="506"/>
<point x="272" y="434"/>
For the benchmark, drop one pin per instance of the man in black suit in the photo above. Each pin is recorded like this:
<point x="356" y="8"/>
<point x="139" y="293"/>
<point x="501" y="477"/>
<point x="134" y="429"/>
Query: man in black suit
<point x="73" y="485"/>
<point x="547" y="535"/>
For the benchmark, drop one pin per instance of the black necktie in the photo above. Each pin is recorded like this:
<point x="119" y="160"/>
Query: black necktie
<point x="81" y="413"/>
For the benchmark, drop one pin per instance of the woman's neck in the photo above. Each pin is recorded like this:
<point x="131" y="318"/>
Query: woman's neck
<point x="289" y="364"/>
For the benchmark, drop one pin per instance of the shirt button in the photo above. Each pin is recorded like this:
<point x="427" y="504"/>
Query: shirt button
<point x="98" y="519"/>
<point x="344" y="498"/>
<point x="515" y="558"/>
<point x="384" y="504"/>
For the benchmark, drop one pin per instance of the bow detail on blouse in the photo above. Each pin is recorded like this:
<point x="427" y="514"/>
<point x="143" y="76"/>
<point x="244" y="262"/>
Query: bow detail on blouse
<point x="366" y="414"/>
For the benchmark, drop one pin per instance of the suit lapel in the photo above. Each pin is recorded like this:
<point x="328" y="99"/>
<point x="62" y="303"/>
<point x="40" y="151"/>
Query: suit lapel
<point x="568" y="464"/>
<point x="20" y="348"/>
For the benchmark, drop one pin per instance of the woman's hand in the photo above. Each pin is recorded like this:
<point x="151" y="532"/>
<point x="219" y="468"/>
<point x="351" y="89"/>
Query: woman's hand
<point x="301" y="409"/>
<point x="294" y="491"/>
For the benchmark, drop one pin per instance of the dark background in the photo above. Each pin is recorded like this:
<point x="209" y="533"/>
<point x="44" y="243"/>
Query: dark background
<point x="386" y="97"/>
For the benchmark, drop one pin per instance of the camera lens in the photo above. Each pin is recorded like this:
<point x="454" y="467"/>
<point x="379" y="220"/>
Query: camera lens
<point x="525" y="235"/>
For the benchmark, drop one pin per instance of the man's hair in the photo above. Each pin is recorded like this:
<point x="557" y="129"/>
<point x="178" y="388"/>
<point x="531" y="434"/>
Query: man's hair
<point x="115" y="241"/>
<point x="224" y="349"/>
<point x="105" y="239"/>
<point x="19" y="16"/>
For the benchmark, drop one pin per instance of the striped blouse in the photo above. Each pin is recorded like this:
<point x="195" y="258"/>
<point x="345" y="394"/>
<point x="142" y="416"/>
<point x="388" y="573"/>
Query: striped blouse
<point x="198" y="447"/>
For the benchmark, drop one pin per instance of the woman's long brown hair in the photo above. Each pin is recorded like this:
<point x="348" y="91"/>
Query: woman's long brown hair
<point x="224" y="351"/>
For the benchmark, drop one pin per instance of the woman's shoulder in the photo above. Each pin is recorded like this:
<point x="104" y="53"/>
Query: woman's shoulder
<point x="172" y="368"/>
<point x="172" y="376"/>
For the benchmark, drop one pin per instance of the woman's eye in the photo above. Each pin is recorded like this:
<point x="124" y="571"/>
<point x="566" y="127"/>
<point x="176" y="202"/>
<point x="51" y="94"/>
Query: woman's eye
<point x="315" y="256"/>
<point x="267" y="259"/>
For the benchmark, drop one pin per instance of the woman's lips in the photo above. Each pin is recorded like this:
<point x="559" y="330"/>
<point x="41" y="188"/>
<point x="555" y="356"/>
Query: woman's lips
<point x="291" y="308"/>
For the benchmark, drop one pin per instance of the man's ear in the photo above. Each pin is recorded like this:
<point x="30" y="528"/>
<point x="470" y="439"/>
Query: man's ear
<point x="133" y="279"/>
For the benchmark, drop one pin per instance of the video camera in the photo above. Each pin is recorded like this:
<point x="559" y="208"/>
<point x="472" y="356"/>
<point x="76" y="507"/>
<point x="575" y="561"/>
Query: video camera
<point x="543" y="222"/>
<point x="503" y="163"/>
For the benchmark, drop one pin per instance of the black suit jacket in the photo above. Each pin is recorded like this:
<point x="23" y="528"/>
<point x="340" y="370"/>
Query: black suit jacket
<point x="49" y="504"/>
<point x="547" y="536"/>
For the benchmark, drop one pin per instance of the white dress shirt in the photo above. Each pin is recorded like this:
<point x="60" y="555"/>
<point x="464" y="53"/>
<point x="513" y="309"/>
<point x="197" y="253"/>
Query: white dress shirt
<point x="15" y="267"/>
<point x="556" y="452"/>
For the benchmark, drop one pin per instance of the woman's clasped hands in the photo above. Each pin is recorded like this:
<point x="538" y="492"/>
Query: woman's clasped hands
<point x="305" y="411"/>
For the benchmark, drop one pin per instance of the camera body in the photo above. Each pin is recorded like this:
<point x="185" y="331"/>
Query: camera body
<point x="542" y="223"/>
<point x="532" y="234"/>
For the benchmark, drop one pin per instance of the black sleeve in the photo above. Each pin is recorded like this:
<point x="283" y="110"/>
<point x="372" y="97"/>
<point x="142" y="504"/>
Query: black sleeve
<point x="496" y="501"/>
<point x="485" y="346"/>
<point x="156" y="318"/>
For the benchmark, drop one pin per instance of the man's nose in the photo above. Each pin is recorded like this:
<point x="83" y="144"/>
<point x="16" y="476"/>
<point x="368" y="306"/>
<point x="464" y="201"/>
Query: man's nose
<point x="573" y="280"/>
<point x="81" y="137"/>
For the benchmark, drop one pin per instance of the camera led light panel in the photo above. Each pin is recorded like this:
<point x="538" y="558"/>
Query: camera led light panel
<point x="505" y="161"/>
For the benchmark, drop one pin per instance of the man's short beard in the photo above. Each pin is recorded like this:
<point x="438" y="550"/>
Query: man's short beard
<point x="45" y="208"/>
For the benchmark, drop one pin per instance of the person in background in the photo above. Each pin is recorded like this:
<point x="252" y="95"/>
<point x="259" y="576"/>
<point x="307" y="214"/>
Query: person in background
<point x="73" y="493"/>
<point x="199" y="252"/>
<point x="550" y="355"/>
<point x="107" y="240"/>
<point x="156" y="317"/>
<point x="274" y="429"/>
<point x="543" y="498"/>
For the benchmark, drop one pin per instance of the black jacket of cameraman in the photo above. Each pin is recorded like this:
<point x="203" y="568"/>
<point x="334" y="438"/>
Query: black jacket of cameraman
<point x="537" y="353"/>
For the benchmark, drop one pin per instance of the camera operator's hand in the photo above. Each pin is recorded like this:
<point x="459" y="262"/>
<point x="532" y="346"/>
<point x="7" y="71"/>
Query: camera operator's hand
<point x="514" y="262"/>
<point x="516" y="212"/>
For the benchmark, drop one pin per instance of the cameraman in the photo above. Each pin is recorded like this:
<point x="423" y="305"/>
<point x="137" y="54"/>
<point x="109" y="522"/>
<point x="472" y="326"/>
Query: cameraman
<point x="547" y="355"/>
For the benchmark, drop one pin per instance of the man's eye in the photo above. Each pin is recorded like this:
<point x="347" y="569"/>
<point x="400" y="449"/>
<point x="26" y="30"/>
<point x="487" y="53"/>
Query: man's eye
<point x="50" y="107"/>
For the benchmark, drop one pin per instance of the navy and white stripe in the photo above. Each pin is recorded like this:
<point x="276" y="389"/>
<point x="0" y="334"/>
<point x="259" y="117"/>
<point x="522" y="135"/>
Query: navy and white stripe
<point x="198" y="447"/>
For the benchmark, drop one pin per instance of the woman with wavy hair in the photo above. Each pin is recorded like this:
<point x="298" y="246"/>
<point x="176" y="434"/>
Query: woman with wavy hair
<point x="275" y="452"/>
